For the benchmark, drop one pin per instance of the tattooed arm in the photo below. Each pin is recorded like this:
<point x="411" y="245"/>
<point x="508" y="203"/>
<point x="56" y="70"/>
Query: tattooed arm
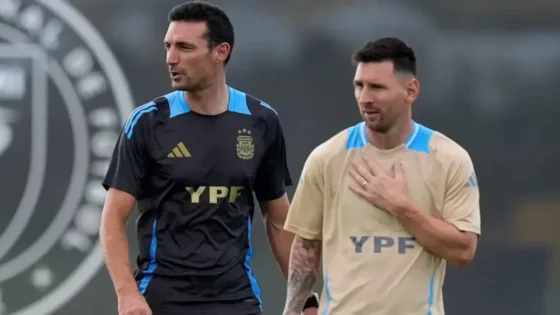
<point x="305" y="220"/>
<point x="305" y="260"/>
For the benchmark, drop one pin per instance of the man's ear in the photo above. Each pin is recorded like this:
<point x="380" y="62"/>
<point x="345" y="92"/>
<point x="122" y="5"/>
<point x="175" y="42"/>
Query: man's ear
<point x="412" y="89"/>
<point x="221" y="52"/>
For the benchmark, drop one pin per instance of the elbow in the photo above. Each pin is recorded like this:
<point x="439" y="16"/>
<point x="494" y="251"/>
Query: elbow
<point x="461" y="261"/>
<point x="105" y="223"/>
<point x="104" y="232"/>
<point x="102" y="226"/>
<point x="274" y="226"/>
<point x="278" y="237"/>
<point x="111" y="224"/>
<point x="464" y="254"/>
<point x="462" y="258"/>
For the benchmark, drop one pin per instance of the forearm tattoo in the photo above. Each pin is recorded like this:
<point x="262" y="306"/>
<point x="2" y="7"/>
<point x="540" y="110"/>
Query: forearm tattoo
<point x="305" y="261"/>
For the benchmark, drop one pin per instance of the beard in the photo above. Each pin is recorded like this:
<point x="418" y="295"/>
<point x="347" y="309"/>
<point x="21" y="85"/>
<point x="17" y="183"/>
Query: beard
<point x="379" y="123"/>
<point x="191" y="85"/>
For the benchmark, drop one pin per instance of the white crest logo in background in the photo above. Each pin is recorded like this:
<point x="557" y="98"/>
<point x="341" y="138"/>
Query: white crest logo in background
<point x="63" y="101"/>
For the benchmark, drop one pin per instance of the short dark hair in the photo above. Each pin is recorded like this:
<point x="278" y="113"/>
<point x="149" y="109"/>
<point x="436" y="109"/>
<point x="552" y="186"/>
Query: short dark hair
<point x="220" y="28"/>
<point x="388" y="49"/>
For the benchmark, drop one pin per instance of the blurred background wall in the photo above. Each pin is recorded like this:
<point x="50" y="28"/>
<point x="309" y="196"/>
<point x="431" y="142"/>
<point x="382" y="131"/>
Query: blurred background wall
<point x="71" y="71"/>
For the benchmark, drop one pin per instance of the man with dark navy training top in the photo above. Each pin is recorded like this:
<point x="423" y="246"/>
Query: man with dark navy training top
<point x="191" y="161"/>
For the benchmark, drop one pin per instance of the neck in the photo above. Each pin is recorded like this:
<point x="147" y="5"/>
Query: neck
<point x="213" y="100"/>
<point x="392" y="138"/>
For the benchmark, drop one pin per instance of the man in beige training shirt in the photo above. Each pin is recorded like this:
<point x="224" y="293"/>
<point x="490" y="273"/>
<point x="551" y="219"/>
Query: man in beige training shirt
<point x="385" y="203"/>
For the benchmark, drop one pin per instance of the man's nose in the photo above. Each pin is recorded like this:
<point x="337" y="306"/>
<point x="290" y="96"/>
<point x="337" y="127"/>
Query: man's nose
<point x="366" y="97"/>
<point x="172" y="57"/>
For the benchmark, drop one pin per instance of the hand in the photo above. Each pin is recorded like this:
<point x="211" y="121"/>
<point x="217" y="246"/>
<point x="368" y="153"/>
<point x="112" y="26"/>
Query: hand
<point x="385" y="190"/>
<point x="311" y="311"/>
<point x="133" y="304"/>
